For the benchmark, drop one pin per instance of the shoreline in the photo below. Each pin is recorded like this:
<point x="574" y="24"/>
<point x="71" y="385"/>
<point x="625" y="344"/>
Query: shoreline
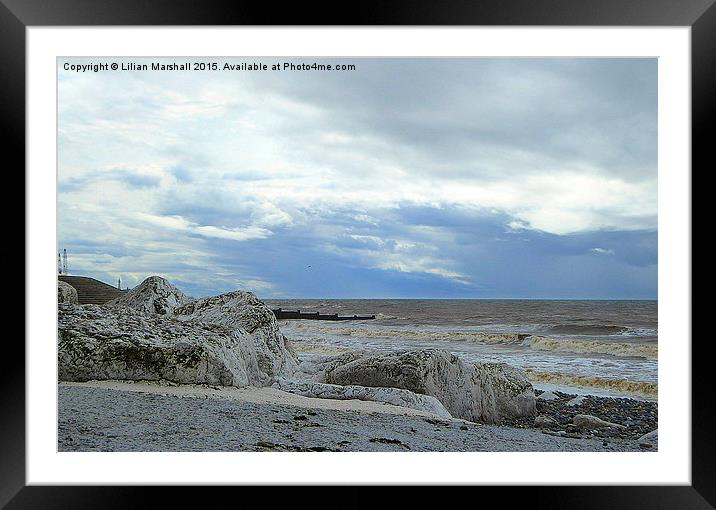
<point x="161" y="416"/>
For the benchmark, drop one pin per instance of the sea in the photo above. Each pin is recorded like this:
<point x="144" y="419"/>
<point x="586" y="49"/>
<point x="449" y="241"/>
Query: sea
<point x="606" y="348"/>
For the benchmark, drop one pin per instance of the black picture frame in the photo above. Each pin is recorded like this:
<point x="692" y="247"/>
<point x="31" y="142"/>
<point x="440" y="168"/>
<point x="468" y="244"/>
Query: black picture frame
<point x="700" y="15"/>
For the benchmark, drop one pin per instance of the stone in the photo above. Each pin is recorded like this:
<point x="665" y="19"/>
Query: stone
<point x="545" y="422"/>
<point x="141" y="339"/>
<point x="547" y="395"/>
<point x="576" y="401"/>
<point x="587" y="421"/>
<point x="153" y="295"/>
<point x="233" y="310"/>
<point x="485" y="392"/>
<point x="243" y="311"/>
<point x="650" y="439"/>
<point x="66" y="293"/>
<point x="395" y="396"/>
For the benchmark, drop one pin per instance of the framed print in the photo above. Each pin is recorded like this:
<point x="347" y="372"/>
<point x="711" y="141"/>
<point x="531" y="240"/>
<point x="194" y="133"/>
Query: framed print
<point x="425" y="245"/>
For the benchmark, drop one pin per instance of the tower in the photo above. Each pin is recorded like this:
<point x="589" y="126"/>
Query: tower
<point x="59" y="264"/>
<point x="64" y="261"/>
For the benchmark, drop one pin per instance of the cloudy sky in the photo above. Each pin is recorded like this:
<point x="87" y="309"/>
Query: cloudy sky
<point x="434" y="178"/>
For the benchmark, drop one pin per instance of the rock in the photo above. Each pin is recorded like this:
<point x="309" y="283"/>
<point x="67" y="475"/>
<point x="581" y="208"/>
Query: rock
<point x="649" y="439"/>
<point x="545" y="422"/>
<point x="233" y="310"/>
<point x="487" y="392"/>
<point x="394" y="396"/>
<point x="547" y="395"/>
<point x="66" y="293"/>
<point x="153" y="295"/>
<point x="587" y="421"/>
<point x="143" y="341"/>
<point x="243" y="311"/>
<point x="576" y="401"/>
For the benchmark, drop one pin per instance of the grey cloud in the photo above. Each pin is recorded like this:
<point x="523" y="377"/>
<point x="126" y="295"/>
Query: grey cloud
<point x="452" y="113"/>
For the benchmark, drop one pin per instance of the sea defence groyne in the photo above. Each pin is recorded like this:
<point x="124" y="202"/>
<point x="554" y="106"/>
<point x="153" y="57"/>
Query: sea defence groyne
<point x="317" y="316"/>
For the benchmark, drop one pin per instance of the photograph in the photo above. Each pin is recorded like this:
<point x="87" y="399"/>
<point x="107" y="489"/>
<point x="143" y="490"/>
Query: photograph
<point x="357" y="254"/>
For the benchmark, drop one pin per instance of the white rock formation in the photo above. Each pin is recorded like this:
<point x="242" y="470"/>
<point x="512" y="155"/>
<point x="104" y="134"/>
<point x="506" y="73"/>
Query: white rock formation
<point x="230" y="340"/>
<point x="66" y="293"/>
<point x="153" y="295"/>
<point x="487" y="392"/>
<point x="247" y="316"/>
<point x="394" y="396"/>
<point x="589" y="422"/>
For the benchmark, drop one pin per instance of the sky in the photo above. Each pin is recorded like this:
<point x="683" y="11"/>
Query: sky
<point x="401" y="178"/>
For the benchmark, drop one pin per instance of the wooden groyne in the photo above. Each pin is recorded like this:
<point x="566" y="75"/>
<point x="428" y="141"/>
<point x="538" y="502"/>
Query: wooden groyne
<point x="317" y="316"/>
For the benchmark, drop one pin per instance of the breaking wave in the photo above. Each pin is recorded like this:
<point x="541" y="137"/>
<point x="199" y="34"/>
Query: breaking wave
<point x="618" y="385"/>
<point x="598" y="330"/>
<point x="536" y="342"/>
<point x="587" y="329"/>
<point x="383" y="316"/>
<point x="643" y="350"/>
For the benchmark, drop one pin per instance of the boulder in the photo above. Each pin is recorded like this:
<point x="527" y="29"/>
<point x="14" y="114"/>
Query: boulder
<point x="589" y="422"/>
<point x="66" y="293"/>
<point x="233" y="310"/>
<point x="143" y="340"/>
<point x="394" y="396"/>
<point x="154" y="295"/>
<point x="650" y="439"/>
<point x="243" y="312"/>
<point x="547" y="395"/>
<point x="546" y="422"/>
<point x="486" y="392"/>
<point x="576" y="401"/>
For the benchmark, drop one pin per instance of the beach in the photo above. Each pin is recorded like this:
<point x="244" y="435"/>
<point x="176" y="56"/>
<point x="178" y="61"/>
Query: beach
<point x="157" y="370"/>
<point x="113" y="416"/>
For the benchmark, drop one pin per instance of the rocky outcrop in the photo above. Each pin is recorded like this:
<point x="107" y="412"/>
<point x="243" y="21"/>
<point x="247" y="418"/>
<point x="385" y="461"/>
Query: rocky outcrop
<point x="233" y="310"/>
<point x="66" y="293"/>
<point x="244" y="313"/>
<point x="230" y="340"/>
<point x="394" y="396"/>
<point x="154" y="295"/>
<point x="486" y="392"/>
